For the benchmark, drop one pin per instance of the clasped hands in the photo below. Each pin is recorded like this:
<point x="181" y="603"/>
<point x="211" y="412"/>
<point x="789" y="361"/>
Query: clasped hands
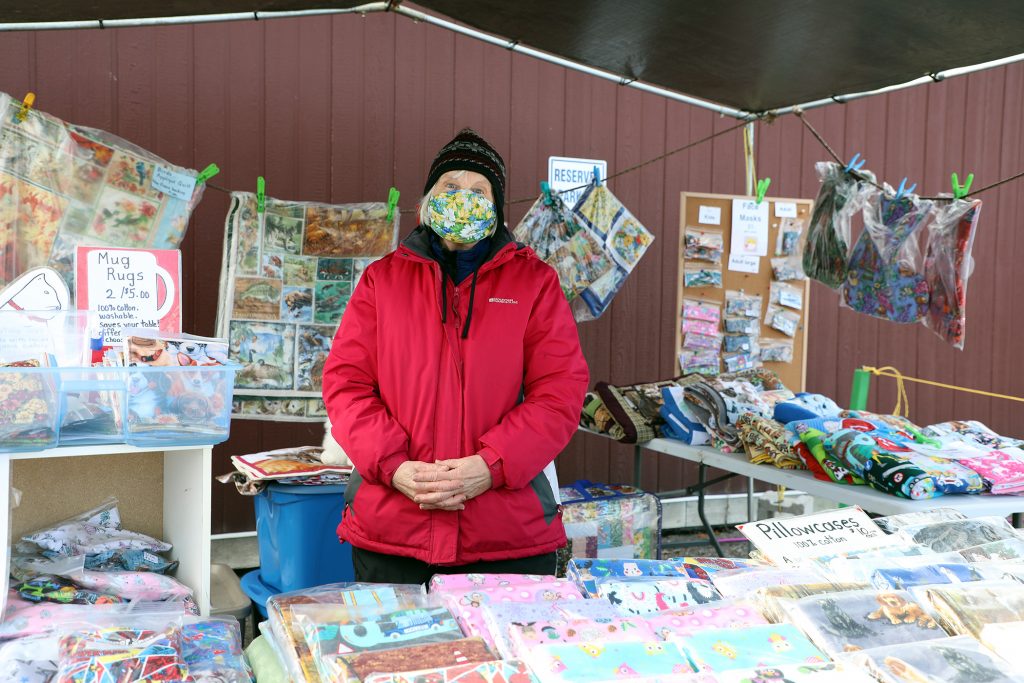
<point x="443" y="485"/>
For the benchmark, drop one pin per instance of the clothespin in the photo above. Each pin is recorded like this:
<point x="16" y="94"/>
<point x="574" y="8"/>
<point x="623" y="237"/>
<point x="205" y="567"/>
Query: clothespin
<point x="207" y="173"/>
<point x="261" y="195"/>
<point x="597" y="175"/>
<point x="393" y="195"/>
<point x="26" y="105"/>
<point x="904" y="189"/>
<point x="854" y="165"/>
<point x="545" y="188"/>
<point x="762" y="188"/>
<point x="960" y="191"/>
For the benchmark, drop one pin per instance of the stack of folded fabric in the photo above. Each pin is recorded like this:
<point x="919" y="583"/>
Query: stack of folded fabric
<point x="301" y="466"/>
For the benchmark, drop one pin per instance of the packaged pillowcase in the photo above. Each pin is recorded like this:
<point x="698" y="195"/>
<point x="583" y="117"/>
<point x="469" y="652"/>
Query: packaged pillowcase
<point x="794" y="673"/>
<point x="961" y="659"/>
<point x="721" y="614"/>
<point x="467" y="605"/>
<point x="959" y="534"/>
<point x="696" y="276"/>
<point x="771" y="600"/>
<point x="1004" y="639"/>
<point x="890" y="524"/>
<point x="440" y="583"/>
<point x="507" y="671"/>
<point x="738" y="583"/>
<point x="701" y="244"/>
<point x="525" y="637"/>
<point x="859" y="620"/>
<point x="351" y="668"/>
<point x="755" y="646"/>
<point x="901" y="578"/>
<point x="1009" y="549"/>
<point x="498" y="617"/>
<point x="589" y="573"/>
<point x="965" y="608"/>
<point x="123" y="655"/>
<point x="645" y="597"/>
<point x="212" y="650"/>
<point x="605" y="661"/>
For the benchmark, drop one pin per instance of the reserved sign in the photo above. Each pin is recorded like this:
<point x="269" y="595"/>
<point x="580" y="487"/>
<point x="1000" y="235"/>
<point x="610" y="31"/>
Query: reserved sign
<point x="793" y="539"/>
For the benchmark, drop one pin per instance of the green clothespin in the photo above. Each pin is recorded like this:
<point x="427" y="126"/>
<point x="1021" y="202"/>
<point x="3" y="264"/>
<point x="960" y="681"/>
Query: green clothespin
<point x="960" y="191"/>
<point x="393" y="195"/>
<point x="762" y="188"/>
<point x="207" y="173"/>
<point x="546" y="189"/>
<point x="261" y="195"/>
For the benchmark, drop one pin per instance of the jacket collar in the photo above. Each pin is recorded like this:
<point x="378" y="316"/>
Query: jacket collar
<point x="502" y="246"/>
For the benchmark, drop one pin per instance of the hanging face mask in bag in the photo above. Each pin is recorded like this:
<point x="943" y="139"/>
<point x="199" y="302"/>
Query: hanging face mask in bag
<point x="883" y="276"/>
<point x="947" y="265"/>
<point x="462" y="216"/>
<point x="828" y="236"/>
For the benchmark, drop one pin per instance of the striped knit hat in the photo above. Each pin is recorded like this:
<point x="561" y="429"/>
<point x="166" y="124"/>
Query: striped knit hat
<point x="469" y="152"/>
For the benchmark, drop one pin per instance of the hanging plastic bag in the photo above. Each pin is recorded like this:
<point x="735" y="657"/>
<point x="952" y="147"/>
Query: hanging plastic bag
<point x="788" y="241"/>
<point x="625" y="239"/>
<point x="703" y="245"/>
<point x="561" y="242"/>
<point x="889" y="287"/>
<point x="696" y="276"/>
<point x="947" y="265"/>
<point x="828" y="236"/>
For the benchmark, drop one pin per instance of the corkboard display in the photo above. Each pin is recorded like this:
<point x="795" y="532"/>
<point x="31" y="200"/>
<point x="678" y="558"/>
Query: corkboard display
<point x="693" y="205"/>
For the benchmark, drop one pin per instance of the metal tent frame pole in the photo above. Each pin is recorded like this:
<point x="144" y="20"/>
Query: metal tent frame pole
<point x="511" y="45"/>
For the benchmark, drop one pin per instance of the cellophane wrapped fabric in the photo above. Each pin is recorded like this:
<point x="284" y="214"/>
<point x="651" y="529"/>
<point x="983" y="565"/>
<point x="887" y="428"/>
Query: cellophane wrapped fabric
<point x="505" y="671"/>
<point x="624" y="238"/>
<point x="942" y="660"/>
<point x="884" y="274"/>
<point x="827" y="244"/>
<point x="352" y="668"/>
<point x="965" y="608"/>
<point x="720" y="614"/>
<point x="63" y="185"/>
<point x="500" y="617"/>
<point x="947" y="266"/>
<point x="563" y="243"/>
<point x="563" y="663"/>
<point x="768" y="644"/>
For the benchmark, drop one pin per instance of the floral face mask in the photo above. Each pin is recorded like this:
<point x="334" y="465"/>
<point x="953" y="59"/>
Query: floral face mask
<point x="462" y="216"/>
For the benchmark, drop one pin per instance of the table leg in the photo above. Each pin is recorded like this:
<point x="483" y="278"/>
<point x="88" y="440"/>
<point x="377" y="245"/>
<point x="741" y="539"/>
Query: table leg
<point x="701" y="479"/>
<point x="750" y="499"/>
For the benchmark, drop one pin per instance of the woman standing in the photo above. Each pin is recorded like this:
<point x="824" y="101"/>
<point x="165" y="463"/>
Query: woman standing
<point x="455" y="379"/>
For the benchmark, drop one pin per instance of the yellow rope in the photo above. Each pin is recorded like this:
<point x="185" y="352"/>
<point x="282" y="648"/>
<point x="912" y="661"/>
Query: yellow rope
<point x="901" y="390"/>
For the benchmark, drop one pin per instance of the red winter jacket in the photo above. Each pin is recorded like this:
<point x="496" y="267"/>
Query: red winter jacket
<point x="400" y="385"/>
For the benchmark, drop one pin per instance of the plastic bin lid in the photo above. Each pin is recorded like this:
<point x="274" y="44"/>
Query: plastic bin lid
<point x="304" y="490"/>
<point x="226" y="595"/>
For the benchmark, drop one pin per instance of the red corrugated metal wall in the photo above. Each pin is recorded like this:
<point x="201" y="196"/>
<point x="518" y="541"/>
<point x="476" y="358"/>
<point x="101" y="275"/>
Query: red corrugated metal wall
<point x="340" y="108"/>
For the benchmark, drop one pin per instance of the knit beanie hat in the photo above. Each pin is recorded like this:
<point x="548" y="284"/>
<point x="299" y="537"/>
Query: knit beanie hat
<point x="469" y="152"/>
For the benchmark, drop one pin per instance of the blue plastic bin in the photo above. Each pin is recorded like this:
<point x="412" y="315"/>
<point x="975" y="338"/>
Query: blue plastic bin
<point x="258" y="591"/>
<point x="299" y="548"/>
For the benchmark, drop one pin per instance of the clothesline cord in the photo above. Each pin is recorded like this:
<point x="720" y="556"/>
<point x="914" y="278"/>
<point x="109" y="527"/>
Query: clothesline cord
<point x="624" y="171"/>
<point x="865" y="179"/>
<point x="889" y="371"/>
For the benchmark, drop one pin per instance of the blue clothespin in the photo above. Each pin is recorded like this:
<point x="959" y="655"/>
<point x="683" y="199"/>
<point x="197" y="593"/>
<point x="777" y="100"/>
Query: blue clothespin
<point x="261" y="195"/>
<point x="393" y="195"/>
<point x="854" y="165"/>
<point x="597" y="175"/>
<point x="762" y="188"/>
<point x="960" y="191"/>
<point x="904" y="189"/>
<point x="545" y="188"/>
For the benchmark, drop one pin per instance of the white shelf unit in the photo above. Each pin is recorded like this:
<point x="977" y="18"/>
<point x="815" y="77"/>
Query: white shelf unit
<point x="187" y="473"/>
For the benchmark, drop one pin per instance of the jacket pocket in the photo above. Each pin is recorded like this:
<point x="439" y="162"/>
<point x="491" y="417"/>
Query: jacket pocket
<point x="354" y="481"/>
<point x="542" y="487"/>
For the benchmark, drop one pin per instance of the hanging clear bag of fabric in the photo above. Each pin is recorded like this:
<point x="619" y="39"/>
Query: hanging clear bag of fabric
<point x="828" y="236"/>
<point x="561" y="242"/>
<point x="703" y="245"/>
<point x="947" y="266"/>
<point x="884" y="277"/>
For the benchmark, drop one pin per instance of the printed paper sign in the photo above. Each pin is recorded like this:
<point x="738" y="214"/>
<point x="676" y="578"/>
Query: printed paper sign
<point x="177" y="185"/>
<point x="793" y="539"/>
<point x="785" y="209"/>
<point x="744" y="264"/>
<point x="710" y="215"/>
<point x="130" y="288"/>
<point x="749" y="228"/>
<point x="569" y="173"/>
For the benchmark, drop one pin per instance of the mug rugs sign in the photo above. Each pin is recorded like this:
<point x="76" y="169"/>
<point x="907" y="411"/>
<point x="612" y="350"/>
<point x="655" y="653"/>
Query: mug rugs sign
<point x="789" y="540"/>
